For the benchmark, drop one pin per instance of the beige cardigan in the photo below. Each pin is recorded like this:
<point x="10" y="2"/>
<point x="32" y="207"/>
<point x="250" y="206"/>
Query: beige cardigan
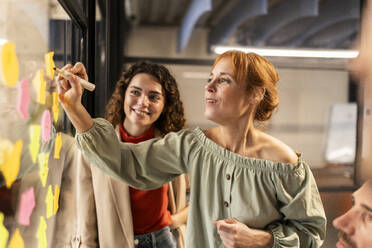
<point x="104" y="216"/>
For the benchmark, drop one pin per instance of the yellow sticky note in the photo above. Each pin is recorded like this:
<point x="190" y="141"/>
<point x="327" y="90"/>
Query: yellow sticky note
<point x="43" y="166"/>
<point x="41" y="233"/>
<point x="16" y="240"/>
<point x="4" y="234"/>
<point x="49" y="202"/>
<point x="56" y="199"/>
<point x="34" y="146"/>
<point x="9" y="64"/>
<point x="39" y="85"/>
<point x="55" y="107"/>
<point x="49" y="64"/>
<point x="10" y="166"/>
<point x="57" y="145"/>
<point x="6" y="148"/>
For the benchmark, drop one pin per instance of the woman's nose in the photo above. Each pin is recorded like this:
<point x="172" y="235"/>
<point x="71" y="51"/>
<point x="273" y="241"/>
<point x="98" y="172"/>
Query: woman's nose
<point x="210" y="86"/>
<point x="144" y="101"/>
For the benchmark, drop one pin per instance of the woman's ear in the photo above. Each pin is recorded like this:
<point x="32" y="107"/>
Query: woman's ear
<point x="257" y="96"/>
<point x="260" y="94"/>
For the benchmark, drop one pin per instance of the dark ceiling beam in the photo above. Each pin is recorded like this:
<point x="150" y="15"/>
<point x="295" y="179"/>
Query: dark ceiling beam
<point x="238" y="14"/>
<point x="341" y="37"/>
<point x="196" y="9"/>
<point x="282" y="14"/>
<point x="334" y="35"/>
<point x="332" y="12"/>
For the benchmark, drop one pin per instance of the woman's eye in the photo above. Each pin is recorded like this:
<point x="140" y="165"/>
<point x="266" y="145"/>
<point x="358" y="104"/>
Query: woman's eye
<point x="154" y="98"/>
<point x="135" y="92"/>
<point x="224" y="80"/>
<point x="209" y="80"/>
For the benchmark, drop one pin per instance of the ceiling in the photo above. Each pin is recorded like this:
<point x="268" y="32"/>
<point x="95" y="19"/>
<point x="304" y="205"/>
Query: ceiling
<point x="332" y="24"/>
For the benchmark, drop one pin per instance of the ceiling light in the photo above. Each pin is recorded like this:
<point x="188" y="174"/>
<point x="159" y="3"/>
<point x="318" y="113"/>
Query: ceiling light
<point x="282" y="52"/>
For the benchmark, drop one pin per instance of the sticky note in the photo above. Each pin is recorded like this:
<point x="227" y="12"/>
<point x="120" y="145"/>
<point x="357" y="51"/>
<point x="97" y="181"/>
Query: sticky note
<point x="57" y="145"/>
<point x="6" y="148"/>
<point x="23" y="98"/>
<point x="56" y="199"/>
<point x="43" y="167"/>
<point x="49" y="202"/>
<point x="9" y="64"/>
<point x="26" y="206"/>
<point x="41" y="233"/>
<point x="55" y="107"/>
<point x="39" y="85"/>
<point x="49" y="64"/>
<point x="34" y="145"/>
<point x="11" y="163"/>
<point x="4" y="234"/>
<point x="46" y="124"/>
<point x="16" y="240"/>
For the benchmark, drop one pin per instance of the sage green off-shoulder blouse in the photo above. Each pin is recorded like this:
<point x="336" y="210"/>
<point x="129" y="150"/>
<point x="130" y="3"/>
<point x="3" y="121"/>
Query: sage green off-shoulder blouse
<point x="260" y="193"/>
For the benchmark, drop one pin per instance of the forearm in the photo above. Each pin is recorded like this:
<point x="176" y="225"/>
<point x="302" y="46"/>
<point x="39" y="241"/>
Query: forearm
<point x="79" y="117"/>
<point x="180" y="218"/>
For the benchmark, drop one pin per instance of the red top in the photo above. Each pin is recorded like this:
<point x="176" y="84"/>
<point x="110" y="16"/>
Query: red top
<point x="149" y="207"/>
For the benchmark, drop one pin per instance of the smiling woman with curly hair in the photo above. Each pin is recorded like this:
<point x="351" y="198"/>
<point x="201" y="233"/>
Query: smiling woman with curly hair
<point x="172" y="116"/>
<point x="145" y="104"/>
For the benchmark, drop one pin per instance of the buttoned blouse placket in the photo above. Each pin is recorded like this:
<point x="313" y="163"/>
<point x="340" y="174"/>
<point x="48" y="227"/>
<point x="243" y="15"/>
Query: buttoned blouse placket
<point x="228" y="177"/>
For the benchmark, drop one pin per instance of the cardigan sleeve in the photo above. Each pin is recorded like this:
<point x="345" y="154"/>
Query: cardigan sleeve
<point x="304" y="222"/>
<point x="147" y="165"/>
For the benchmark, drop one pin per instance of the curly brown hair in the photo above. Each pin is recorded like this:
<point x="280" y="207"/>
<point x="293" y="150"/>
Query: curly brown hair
<point x="172" y="116"/>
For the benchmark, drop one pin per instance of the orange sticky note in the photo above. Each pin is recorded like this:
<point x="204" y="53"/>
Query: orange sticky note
<point x="16" y="240"/>
<point x="39" y="85"/>
<point x="10" y="166"/>
<point x="43" y="166"/>
<point x="34" y="145"/>
<point x="49" y="64"/>
<point x="57" y="145"/>
<point x="46" y="124"/>
<point x="41" y="233"/>
<point x="56" y="199"/>
<point x="23" y="98"/>
<point x="4" y="234"/>
<point x="49" y="202"/>
<point x="9" y="64"/>
<point x="55" y="107"/>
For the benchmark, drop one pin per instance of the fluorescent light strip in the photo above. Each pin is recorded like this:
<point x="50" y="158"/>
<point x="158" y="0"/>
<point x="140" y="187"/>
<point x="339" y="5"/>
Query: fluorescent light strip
<point x="303" y="53"/>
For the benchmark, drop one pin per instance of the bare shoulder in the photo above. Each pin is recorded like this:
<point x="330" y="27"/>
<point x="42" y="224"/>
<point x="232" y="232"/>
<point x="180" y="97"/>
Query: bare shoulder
<point x="276" y="150"/>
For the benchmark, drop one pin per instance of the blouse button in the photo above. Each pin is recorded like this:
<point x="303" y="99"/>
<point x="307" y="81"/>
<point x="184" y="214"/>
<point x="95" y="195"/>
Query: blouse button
<point x="226" y="204"/>
<point x="228" y="176"/>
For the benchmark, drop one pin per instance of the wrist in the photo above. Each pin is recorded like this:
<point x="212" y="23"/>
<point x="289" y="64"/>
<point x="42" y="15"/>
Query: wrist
<point x="266" y="239"/>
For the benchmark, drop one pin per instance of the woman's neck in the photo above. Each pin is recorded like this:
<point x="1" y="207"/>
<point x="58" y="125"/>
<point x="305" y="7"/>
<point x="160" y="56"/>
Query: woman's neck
<point x="135" y="130"/>
<point x="237" y="137"/>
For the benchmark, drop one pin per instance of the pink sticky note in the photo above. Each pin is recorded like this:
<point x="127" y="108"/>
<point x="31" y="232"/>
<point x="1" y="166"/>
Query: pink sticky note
<point x="23" y="98"/>
<point x="46" y="123"/>
<point x="26" y="206"/>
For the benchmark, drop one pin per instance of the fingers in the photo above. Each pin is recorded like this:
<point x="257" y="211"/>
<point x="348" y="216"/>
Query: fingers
<point x="79" y="70"/>
<point x="227" y="225"/>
